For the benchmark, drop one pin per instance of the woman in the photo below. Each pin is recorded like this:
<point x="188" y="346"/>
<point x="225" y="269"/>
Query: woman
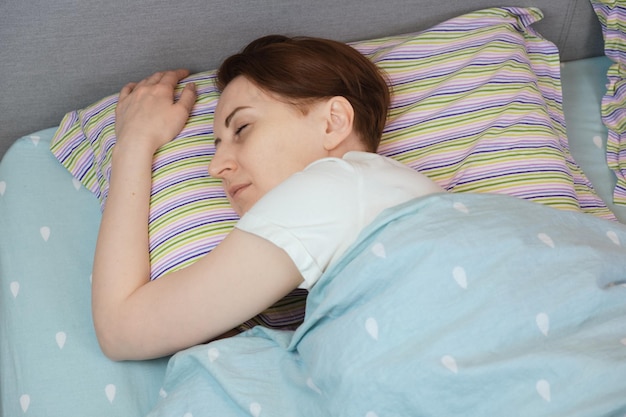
<point x="295" y="131"/>
<point x="443" y="306"/>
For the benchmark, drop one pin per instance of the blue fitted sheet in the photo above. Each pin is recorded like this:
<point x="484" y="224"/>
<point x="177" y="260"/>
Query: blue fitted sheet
<point x="50" y="361"/>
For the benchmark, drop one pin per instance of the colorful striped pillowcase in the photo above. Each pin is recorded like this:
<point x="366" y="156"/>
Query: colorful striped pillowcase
<point x="612" y="16"/>
<point x="476" y="106"/>
<point x="189" y="212"/>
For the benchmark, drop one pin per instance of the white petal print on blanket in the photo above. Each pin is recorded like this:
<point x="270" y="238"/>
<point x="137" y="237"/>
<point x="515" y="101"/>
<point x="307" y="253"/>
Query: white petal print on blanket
<point x="61" y="337"/>
<point x="35" y="139"/>
<point x="76" y="184"/>
<point x="25" y="402"/>
<point x="379" y="250"/>
<point x="450" y="363"/>
<point x="371" y="326"/>
<point x="597" y="140"/>
<point x="15" y="288"/>
<point x="613" y="236"/>
<point x="255" y="409"/>
<point x="460" y="207"/>
<point x="3" y="187"/>
<point x="109" y="390"/>
<point x="543" y="389"/>
<point x="460" y="277"/>
<point x="45" y="233"/>
<point x="213" y="354"/>
<point x="546" y="239"/>
<point x="371" y="414"/>
<point x="543" y="323"/>
<point x="311" y="384"/>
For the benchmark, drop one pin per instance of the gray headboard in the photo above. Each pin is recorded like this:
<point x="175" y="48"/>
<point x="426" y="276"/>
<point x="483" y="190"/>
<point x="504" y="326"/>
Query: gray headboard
<point x="56" y="56"/>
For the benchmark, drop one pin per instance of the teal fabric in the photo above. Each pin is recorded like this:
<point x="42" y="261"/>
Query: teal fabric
<point x="450" y="305"/>
<point x="584" y="84"/>
<point x="49" y="356"/>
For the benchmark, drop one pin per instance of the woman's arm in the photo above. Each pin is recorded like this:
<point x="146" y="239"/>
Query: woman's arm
<point x="136" y="318"/>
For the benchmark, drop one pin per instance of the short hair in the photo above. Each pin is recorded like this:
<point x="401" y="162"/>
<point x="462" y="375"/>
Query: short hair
<point x="304" y="70"/>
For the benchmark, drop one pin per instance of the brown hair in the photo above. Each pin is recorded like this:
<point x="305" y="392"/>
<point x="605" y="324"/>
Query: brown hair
<point x="303" y="70"/>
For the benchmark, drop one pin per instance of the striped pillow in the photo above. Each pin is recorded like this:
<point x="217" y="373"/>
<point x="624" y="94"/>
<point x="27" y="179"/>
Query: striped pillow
<point x="612" y="16"/>
<point x="189" y="212"/>
<point x="476" y="106"/>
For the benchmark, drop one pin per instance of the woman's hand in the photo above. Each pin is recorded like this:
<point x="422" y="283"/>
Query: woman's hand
<point x="147" y="113"/>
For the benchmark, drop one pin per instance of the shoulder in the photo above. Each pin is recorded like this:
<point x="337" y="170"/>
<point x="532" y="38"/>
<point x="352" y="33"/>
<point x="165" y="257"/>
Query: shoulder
<point x="377" y="172"/>
<point x="356" y="163"/>
<point x="326" y="176"/>
<point x="325" y="183"/>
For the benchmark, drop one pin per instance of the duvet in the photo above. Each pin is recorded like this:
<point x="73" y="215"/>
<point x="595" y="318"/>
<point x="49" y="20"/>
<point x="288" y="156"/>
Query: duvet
<point x="449" y="305"/>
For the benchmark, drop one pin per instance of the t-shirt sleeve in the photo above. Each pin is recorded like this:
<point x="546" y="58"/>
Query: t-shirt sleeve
<point x="310" y="216"/>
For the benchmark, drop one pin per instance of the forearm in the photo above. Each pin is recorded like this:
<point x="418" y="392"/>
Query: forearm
<point x="122" y="263"/>
<point x="147" y="116"/>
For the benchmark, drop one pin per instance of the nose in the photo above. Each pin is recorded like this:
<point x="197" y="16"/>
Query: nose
<point x="221" y="164"/>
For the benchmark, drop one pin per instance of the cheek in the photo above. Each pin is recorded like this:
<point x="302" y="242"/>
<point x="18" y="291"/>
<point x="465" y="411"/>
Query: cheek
<point x="274" y="159"/>
<point x="267" y="178"/>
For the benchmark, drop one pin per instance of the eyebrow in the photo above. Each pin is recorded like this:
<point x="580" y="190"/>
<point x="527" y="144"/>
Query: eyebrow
<point x="232" y="114"/>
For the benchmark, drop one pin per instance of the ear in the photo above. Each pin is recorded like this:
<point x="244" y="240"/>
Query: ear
<point x="339" y="115"/>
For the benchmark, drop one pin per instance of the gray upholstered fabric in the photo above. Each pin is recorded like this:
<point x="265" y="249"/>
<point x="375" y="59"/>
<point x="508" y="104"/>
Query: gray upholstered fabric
<point x="56" y="56"/>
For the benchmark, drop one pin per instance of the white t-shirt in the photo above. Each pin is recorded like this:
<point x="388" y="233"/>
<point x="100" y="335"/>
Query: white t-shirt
<point x="316" y="214"/>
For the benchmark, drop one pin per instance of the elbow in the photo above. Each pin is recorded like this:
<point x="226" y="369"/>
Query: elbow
<point x="109" y="341"/>
<point x="123" y="339"/>
<point x="114" y="336"/>
<point x="111" y="352"/>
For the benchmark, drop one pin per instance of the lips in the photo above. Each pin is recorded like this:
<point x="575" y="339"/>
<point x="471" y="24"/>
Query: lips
<point x="236" y="189"/>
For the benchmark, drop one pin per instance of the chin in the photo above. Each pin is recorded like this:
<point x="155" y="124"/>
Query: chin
<point x="239" y="210"/>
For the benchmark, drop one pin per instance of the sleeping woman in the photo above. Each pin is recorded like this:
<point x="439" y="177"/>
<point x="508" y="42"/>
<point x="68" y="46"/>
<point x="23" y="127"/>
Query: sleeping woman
<point x="421" y="302"/>
<point x="296" y="130"/>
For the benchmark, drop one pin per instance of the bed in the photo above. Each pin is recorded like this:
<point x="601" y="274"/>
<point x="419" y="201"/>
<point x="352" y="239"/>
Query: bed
<point x="512" y="106"/>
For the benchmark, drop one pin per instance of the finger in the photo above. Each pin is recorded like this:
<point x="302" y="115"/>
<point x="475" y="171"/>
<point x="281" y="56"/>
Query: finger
<point x="187" y="98"/>
<point x="173" y="77"/>
<point x="126" y="90"/>
<point x="153" y="79"/>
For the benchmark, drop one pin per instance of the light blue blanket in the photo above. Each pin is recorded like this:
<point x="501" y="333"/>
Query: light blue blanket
<point x="450" y="305"/>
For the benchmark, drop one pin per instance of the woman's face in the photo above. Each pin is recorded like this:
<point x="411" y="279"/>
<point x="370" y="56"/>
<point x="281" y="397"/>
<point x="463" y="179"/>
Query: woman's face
<point x="260" y="141"/>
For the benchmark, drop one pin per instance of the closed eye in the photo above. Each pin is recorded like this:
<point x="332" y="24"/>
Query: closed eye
<point x="217" y="141"/>
<point x="239" y="129"/>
